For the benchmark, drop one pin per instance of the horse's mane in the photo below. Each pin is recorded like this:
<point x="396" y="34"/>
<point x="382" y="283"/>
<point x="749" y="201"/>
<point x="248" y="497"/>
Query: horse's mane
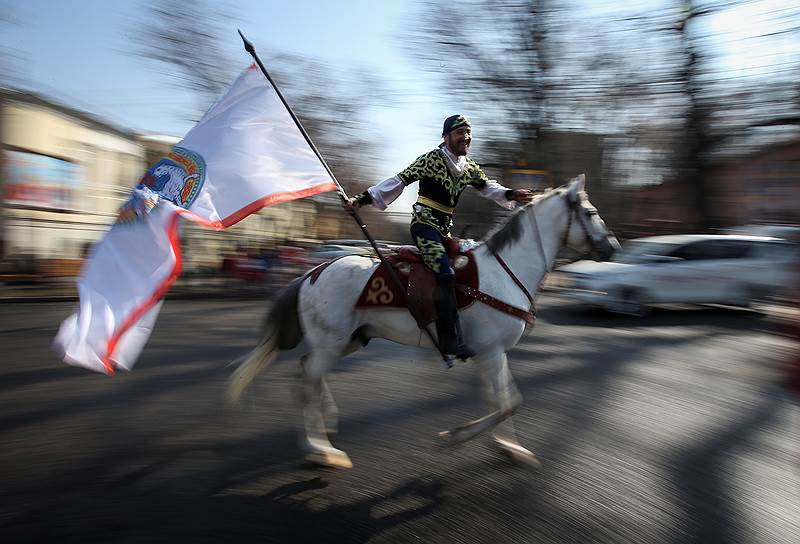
<point x="510" y="231"/>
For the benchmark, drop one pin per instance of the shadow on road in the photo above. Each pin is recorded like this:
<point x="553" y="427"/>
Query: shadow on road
<point x="572" y="314"/>
<point x="219" y="483"/>
<point x="702" y="478"/>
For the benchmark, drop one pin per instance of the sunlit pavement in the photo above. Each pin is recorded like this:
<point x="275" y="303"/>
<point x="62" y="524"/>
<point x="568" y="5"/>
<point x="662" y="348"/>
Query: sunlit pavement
<point x="670" y="428"/>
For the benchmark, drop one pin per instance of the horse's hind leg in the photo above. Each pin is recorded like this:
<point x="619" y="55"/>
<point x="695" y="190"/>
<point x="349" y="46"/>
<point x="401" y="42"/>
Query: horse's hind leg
<point x="316" y="399"/>
<point x="330" y="412"/>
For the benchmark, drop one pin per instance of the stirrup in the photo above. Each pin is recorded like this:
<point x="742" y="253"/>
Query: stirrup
<point x="463" y="352"/>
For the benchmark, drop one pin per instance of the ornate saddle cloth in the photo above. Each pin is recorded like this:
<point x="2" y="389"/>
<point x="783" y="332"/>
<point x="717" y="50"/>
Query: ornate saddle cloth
<point x="418" y="282"/>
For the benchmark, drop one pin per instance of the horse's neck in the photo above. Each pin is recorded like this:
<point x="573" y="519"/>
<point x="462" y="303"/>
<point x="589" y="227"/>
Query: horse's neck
<point x="532" y="255"/>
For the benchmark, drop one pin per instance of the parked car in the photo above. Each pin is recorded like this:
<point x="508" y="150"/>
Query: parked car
<point x="790" y="233"/>
<point x="695" y="269"/>
<point x="327" y="252"/>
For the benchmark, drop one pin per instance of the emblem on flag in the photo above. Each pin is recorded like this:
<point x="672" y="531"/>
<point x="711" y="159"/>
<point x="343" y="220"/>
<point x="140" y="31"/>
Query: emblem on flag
<point x="246" y="152"/>
<point x="177" y="177"/>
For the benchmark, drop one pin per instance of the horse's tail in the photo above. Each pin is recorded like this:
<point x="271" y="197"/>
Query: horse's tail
<point x="280" y="331"/>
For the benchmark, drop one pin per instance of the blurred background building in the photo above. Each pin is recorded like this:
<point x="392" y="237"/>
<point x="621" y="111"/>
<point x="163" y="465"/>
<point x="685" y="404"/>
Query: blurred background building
<point x="684" y="116"/>
<point x="65" y="172"/>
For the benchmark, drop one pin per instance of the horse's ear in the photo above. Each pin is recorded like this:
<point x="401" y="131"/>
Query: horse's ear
<point x="579" y="183"/>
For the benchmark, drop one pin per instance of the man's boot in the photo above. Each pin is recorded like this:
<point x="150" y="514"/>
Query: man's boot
<point x="448" y="327"/>
<point x="463" y="351"/>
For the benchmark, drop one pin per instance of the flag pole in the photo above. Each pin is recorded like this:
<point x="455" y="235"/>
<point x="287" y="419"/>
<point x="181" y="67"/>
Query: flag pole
<point x="248" y="46"/>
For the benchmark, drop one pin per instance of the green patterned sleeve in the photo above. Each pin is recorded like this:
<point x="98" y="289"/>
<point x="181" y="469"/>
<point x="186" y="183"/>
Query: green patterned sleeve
<point x="478" y="177"/>
<point x="416" y="170"/>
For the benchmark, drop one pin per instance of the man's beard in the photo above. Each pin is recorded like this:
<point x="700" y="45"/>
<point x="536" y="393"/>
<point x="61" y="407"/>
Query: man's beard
<point x="456" y="149"/>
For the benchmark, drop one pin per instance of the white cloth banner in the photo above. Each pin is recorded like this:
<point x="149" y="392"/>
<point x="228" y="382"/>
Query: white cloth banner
<point x="245" y="153"/>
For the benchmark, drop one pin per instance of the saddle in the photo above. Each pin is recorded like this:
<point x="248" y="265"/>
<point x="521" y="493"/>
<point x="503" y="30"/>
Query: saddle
<point x="419" y="282"/>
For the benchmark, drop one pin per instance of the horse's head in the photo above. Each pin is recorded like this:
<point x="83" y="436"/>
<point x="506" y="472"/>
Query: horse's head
<point x="586" y="230"/>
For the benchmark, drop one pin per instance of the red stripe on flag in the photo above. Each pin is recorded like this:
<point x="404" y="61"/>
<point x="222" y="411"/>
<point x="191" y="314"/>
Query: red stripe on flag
<point x="108" y="361"/>
<point x="253" y="207"/>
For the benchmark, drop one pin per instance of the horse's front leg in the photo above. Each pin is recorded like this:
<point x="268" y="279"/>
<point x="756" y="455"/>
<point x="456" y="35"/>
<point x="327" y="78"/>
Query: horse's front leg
<point x="505" y="399"/>
<point x="316" y="396"/>
<point x="490" y="395"/>
<point x="499" y="390"/>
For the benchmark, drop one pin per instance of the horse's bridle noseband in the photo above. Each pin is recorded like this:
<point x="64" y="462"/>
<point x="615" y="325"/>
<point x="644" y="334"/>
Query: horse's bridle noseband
<point x="573" y="201"/>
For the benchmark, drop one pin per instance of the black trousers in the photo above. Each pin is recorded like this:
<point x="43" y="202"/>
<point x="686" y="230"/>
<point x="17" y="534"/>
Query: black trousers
<point x="430" y="243"/>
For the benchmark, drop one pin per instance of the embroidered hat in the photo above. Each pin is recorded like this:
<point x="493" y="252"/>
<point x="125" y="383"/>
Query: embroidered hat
<point x="453" y="122"/>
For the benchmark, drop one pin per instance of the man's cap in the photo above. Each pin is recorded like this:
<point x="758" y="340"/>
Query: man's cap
<point x="453" y="122"/>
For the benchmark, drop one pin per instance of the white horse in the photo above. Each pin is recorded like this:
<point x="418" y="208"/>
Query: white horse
<point x="324" y="312"/>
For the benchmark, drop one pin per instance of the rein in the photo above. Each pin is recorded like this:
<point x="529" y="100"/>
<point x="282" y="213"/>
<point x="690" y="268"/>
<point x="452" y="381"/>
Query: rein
<point x="526" y="315"/>
<point x="513" y="276"/>
<point x="529" y="316"/>
<point x="571" y="205"/>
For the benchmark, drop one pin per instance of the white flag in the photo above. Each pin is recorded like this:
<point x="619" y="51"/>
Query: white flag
<point x="245" y="153"/>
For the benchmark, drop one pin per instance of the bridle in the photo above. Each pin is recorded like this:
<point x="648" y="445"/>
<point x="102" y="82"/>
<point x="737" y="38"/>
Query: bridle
<point x="573" y="202"/>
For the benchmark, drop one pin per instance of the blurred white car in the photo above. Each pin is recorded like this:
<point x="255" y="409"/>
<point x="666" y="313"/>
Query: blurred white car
<point x="692" y="268"/>
<point x="789" y="233"/>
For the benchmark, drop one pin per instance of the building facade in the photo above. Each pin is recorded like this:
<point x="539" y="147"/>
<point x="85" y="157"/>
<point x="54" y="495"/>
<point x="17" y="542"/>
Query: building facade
<point x="63" y="175"/>
<point x="762" y="188"/>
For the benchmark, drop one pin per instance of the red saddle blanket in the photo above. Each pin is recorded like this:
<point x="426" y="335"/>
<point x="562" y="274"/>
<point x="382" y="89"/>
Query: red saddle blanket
<point x="418" y="284"/>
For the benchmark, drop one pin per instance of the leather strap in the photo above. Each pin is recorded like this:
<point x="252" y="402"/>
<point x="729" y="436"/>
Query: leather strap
<point x="489" y="300"/>
<point x="513" y="277"/>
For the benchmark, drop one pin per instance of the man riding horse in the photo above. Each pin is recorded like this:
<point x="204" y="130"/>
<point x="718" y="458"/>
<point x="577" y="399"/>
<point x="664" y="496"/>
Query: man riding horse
<point x="443" y="174"/>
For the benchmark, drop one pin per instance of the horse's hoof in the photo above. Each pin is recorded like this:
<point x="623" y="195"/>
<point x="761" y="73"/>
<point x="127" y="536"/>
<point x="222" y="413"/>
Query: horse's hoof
<point x="332" y="459"/>
<point x="444" y="439"/>
<point x="517" y="453"/>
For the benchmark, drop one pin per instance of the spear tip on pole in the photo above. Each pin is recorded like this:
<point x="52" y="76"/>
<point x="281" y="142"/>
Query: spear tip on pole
<point x="248" y="45"/>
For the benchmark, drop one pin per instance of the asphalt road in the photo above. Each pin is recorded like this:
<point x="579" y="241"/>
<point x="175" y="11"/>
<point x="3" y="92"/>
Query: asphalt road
<point x="672" y="428"/>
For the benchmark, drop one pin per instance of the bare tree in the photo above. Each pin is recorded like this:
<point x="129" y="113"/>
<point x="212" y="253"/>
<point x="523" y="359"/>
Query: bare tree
<point x="331" y="103"/>
<point x="720" y="109"/>
<point x="333" y="106"/>
<point x="493" y="58"/>
<point x="648" y="79"/>
<point x="186" y="37"/>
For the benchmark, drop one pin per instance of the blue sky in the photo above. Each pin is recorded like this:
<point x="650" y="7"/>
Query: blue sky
<point x="79" y="53"/>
